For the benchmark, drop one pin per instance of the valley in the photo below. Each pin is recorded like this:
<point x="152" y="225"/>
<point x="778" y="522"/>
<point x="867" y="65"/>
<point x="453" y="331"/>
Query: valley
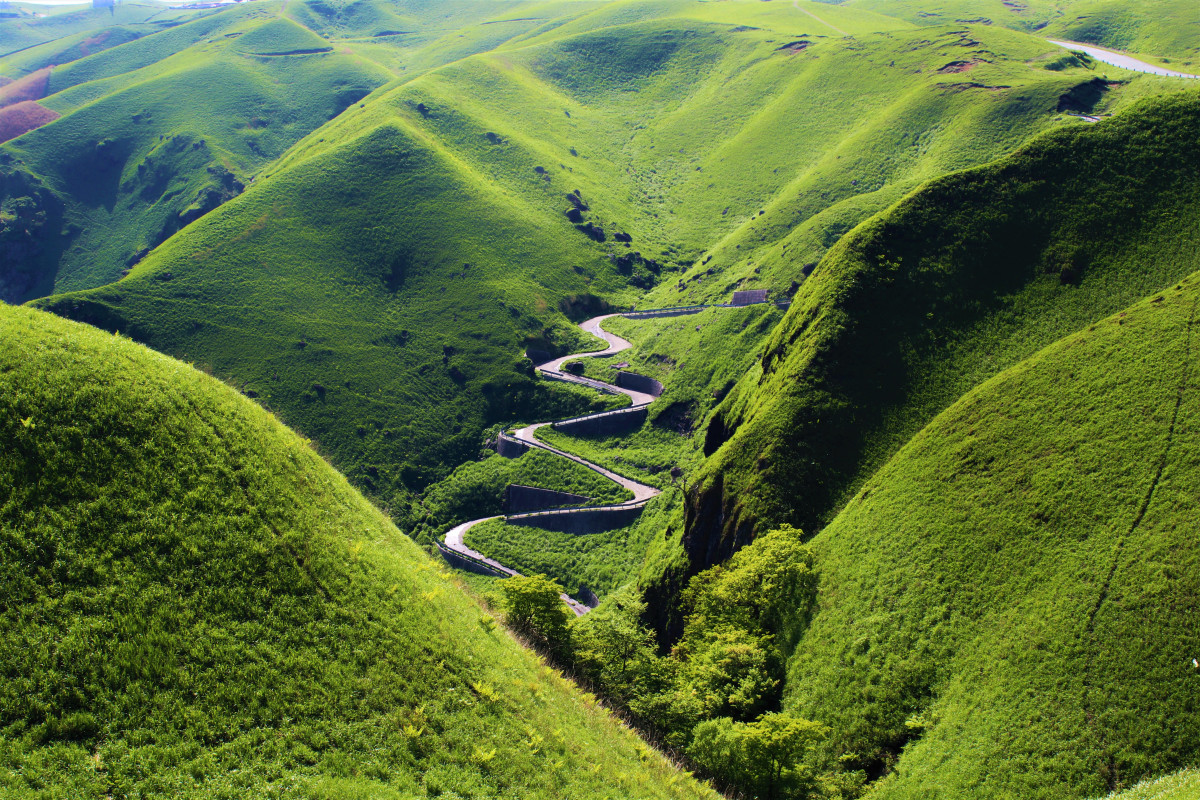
<point x="599" y="398"/>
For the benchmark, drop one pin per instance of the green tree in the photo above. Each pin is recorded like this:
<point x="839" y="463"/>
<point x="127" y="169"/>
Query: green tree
<point x="533" y="606"/>
<point x="731" y="672"/>
<point x="742" y="623"/>
<point x="768" y="758"/>
<point x="614" y="648"/>
<point x="765" y="586"/>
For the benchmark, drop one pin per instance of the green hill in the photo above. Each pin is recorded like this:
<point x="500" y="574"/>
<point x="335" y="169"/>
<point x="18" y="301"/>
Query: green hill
<point x="1162" y="32"/>
<point x="956" y="282"/>
<point x="443" y="198"/>
<point x="30" y="26"/>
<point x="132" y="163"/>
<point x="194" y="604"/>
<point x="1009" y="607"/>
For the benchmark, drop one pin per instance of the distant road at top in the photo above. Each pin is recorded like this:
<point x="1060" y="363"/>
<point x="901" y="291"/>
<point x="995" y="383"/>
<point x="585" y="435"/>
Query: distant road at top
<point x="1121" y="60"/>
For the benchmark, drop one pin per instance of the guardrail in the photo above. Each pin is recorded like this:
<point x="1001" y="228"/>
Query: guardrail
<point x="681" y="310"/>
<point x="449" y="554"/>
<point x="671" y="310"/>
<point x="599" y="414"/>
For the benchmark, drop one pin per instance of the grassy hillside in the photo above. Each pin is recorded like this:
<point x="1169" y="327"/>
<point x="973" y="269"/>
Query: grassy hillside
<point x="1009" y="607"/>
<point x="445" y="198"/>
<point x="133" y="164"/>
<point x="194" y="604"/>
<point x="960" y="280"/>
<point x="30" y="26"/>
<point x="476" y="489"/>
<point x="1161" y="32"/>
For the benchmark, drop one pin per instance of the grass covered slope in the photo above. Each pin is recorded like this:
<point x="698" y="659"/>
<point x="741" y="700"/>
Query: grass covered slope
<point x="384" y="317"/>
<point x="444" y="198"/>
<point x="157" y="132"/>
<point x="25" y="28"/>
<point x="195" y="605"/>
<point x="1165" y="31"/>
<point x="1013" y="598"/>
<point x="961" y="279"/>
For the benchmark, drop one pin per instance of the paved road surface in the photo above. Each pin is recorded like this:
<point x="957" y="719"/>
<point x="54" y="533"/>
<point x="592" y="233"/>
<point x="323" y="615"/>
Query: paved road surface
<point x="453" y="539"/>
<point x="1118" y="59"/>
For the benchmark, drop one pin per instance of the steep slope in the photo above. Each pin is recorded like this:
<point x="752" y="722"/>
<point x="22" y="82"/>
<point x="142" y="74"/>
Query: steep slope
<point x="134" y="162"/>
<point x="193" y="604"/>
<point x="958" y="281"/>
<point x="446" y="198"/>
<point x="1163" y="31"/>
<point x="26" y="28"/>
<point x="1013" y="598"/>
<point x="384" y="316"/>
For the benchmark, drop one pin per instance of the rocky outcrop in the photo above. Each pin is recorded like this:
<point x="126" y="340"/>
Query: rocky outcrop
<point x="592" y="231"/>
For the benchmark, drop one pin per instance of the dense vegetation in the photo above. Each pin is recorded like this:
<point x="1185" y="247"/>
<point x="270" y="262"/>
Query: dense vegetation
<point x="1009" y="607"/>
<point x="194" y="604"/>
<point x="958" y="281"/>
<point x="359" y="214"/>
<point x="697" y="132"/>
<point x="716" y="695"/>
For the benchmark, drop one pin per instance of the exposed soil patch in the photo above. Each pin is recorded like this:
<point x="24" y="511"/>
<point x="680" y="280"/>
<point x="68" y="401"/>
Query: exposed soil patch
<point x="22" y="118"/>
<point x="957" y="66"/>
<point x="794" y="47"/>
<point x="32" y="87"/>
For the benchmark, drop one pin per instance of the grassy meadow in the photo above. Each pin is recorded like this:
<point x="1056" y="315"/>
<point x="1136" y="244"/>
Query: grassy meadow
<point x="194" y="604"/>
<point x="366" y="219"/>
<point x="1008" y="607"/>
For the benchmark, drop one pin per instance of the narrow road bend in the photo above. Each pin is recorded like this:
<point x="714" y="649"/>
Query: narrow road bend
<point x="453" y="540"/>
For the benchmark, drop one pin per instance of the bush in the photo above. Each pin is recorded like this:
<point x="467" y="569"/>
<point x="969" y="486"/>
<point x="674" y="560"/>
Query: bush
<point x="533" y="606"/>
<point x="769" y="758"/>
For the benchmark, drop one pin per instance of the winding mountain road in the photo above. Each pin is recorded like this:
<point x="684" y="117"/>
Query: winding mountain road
<point x="453" y="540"/>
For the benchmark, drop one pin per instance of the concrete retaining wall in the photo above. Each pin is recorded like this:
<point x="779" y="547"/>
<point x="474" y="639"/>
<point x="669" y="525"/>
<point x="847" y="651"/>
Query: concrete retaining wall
<point x="510" y="448"/>
<point x="749" y="297"/>
<point x="639" y="383"/>
<point x="520" y="499"/>
<point x="581" y="521"/>
<point x="607" y="423"/>
<point x="578" y="380"/>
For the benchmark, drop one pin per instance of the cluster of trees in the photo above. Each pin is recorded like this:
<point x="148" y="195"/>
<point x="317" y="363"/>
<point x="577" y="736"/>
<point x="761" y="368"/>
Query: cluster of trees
<point x="715" y="696"/>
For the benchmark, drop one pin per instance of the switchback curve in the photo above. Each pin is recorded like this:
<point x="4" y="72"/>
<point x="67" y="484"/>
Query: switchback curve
<point x="453" y="540"/>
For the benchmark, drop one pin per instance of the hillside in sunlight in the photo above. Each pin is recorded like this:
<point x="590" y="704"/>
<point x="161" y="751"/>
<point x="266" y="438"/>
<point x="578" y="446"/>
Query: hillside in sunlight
<point x="399" y="259"/>
<point x="194" y="604"/>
